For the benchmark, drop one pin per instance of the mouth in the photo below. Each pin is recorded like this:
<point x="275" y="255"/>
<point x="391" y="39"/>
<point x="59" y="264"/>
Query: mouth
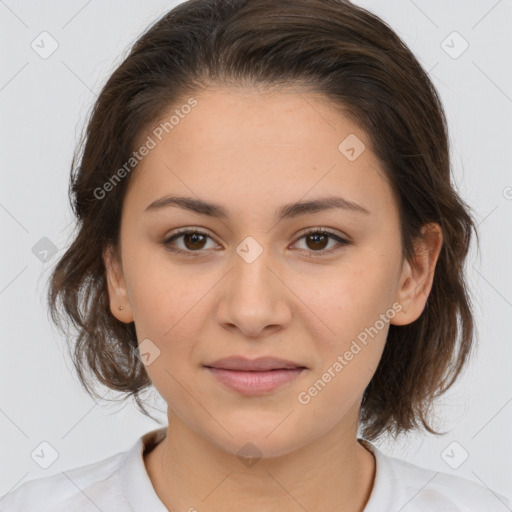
<point x="257" y="376"/>
<point x="261" y="364"/>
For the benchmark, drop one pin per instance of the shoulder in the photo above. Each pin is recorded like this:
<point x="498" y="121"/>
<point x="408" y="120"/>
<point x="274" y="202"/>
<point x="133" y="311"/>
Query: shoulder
<point x="424" y="489"/>
<point x="85" y="488"/>
<point x="450" y="492"/>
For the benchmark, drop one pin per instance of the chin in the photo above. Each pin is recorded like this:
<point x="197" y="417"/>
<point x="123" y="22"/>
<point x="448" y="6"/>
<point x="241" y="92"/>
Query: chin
<point x="258" y="438"/>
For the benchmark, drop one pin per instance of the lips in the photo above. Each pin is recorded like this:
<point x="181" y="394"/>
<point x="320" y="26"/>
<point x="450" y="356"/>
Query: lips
<point x="252" y="377"/>
<point x="261" y="364"/>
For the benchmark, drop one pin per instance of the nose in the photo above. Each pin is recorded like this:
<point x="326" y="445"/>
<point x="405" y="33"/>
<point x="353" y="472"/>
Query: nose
<point x="253" y="297"/>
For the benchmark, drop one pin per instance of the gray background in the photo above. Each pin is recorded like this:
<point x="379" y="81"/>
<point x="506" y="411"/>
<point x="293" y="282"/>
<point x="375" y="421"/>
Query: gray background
<point x="44" y="103"/>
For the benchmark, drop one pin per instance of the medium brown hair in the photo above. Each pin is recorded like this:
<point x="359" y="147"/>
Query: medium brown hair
<point x="359" y="64"/>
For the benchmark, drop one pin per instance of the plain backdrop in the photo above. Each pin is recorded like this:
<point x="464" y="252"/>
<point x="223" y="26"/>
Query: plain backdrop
<point x="465" y="46"/>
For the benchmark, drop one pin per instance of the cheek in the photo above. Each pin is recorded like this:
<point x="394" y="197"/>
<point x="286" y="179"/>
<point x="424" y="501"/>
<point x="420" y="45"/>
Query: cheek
<point x="355" y="305"/>
<point x="353" y="296"/>
<point x="162" y="294"/>
<point x="353" y="308"/>
<point x="169" y="310"/>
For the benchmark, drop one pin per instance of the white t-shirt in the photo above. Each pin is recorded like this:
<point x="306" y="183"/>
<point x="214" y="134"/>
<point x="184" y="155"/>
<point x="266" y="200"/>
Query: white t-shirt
<point x="121" y="484"/>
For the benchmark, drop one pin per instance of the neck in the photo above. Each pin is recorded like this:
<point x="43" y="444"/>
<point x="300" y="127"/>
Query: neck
<point x="334" y="471"/>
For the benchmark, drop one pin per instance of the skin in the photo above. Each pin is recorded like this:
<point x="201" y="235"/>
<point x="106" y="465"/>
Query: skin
<point x="252" y="152"/>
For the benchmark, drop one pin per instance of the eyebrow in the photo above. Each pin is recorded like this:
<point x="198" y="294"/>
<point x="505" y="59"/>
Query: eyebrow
<point x="286" y="211"/>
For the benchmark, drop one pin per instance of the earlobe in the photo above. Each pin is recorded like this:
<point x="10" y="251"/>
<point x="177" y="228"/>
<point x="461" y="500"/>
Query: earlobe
<point x="118" y="296"/>
<point x="418" y="276"/>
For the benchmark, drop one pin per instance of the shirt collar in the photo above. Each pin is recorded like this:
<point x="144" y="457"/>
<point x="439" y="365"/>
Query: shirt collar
<point x="135" y="482"/>
<point x="385" y="485"/>
<point x="142" y="497"/>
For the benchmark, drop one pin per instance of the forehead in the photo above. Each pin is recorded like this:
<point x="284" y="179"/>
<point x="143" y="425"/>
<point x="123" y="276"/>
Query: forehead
<point x="275" y="147"/>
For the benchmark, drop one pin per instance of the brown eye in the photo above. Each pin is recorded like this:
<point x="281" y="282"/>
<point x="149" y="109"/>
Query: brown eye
<point x="191" y="241"/>
<point x="317" y="241"/>
<point x="194" y="241"/>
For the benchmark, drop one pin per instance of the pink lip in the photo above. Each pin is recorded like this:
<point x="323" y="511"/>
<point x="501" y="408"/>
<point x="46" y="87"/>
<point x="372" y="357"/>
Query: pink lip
<point x="256" y="376"/>
<point x="255" y="382"/>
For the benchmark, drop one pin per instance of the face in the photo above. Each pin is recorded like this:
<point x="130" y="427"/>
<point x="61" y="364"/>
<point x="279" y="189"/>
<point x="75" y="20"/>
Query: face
<point x="255" y="283"/>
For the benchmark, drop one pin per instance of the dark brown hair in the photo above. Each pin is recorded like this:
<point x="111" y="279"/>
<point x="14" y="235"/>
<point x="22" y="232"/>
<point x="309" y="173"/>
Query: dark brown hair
<point x="359" y="64"/>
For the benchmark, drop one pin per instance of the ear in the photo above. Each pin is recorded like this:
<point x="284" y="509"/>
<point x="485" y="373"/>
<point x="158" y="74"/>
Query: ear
<point x="417" y="276"/>
<point x="117" y="290"/>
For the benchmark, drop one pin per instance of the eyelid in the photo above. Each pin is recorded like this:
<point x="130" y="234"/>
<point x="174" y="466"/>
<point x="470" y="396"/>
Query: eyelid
<point x="322" y="229"/>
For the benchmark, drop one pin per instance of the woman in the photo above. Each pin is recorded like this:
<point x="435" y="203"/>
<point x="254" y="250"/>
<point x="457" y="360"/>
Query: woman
<point x="268" y="235"/>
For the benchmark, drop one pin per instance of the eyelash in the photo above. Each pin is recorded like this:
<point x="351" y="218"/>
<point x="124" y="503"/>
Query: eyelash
<point x="320" y="231"/>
